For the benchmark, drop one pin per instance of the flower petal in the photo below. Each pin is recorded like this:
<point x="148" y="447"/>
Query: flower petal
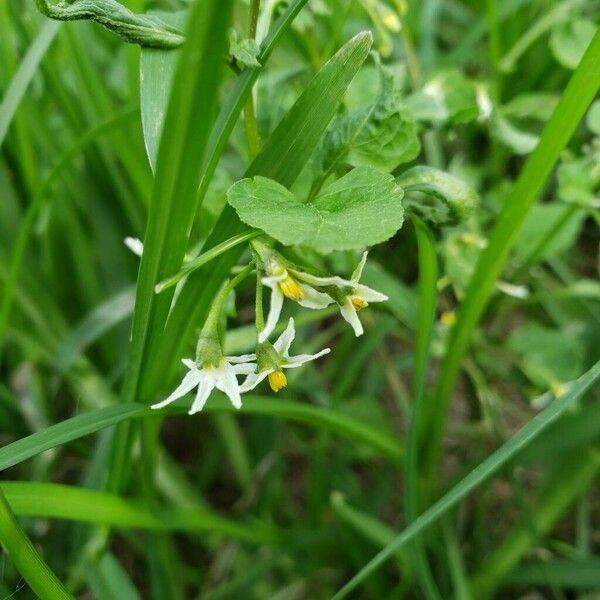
<point x="284" y="341"/>
<point x="205" y="387"/>
<point x="321" y="281"/>
<point x="368" y="294"/>
<point x="294" y="362"/>
<point x="274" y="312"/>
<point x="188" y="383"/>
<point x="244" y="368"/>
<point x="240" y="359"/>
<point x="227" y="383"/>
<point x="272" y="280"/>
<point x="359" y="268"/>
<point x="313" y="298"/>
<point x="189" y="363"/>
<point x="349" y="313"/>
<point x="135" y="245"/>
<point x="253" y="380"/>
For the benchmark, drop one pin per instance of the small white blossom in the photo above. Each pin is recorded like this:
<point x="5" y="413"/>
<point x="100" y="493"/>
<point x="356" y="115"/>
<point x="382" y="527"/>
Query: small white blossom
<point x="355" y="295"/>
<point x="208" y="376"/>
<point x="282" y="284"/>
<point x="280" y="360"/>
<point x="135" y="245"/>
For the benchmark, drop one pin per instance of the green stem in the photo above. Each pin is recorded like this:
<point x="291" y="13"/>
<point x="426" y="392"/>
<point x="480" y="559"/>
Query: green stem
<point x="252" y="135"/>
<point x="26" y="559"/>
<point x="210" y="325"/>
<point x="580" y="92"/>
<point x="205" y="258"/>
<point x="427" y="306"/>
<point x="260" y="317"/>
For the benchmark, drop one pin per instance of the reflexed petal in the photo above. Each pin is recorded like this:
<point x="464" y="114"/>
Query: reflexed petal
<point x="368" y="294"/>
<point x="284" y="341"/>
<point x="244" y="368"/>
<point x="205" y="387"/>
<point x="349" y="313"/>
<point x="297" y="361"/>
<point x="313" y="298"/>
<point x="188" y="383"/>
<point x="189" y="363"/>
<point x="274" y="312"/>
<point x="227" y="383"/>
<point x="240" y="359"/>
<point x="359" y="269"/>
<point x="253" y="380"/>
<point x="321" y="281"/>
<point x="273" y="280"/>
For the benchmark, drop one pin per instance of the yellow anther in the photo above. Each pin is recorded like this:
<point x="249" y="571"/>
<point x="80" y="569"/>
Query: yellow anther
<point x="277" y="380"/>
<point x="391" y="21"/>
<point x="448" y="318"/>
<point x="290" y="289"/>
<point x="557" y="388"/>
<point x="359" y="303"/>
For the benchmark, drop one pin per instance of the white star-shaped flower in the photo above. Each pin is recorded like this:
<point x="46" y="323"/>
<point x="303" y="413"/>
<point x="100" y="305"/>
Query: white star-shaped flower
<point x="282" y="284"/>
<point x="353" y="295"/>
<point x="208" y="376"/>
<point x="278" y="359"/>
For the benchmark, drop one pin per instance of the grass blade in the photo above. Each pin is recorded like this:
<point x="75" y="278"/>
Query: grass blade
<point x="581" y="90"/>
<point x="26" y="558"/>
<point x="178" y="171"/>
<point x="24" y="75"/>
<point x="477" y="476"/>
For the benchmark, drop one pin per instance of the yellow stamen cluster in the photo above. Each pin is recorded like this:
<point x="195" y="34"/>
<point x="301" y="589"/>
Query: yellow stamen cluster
<point x="277" y="380"/>
<point x="359" y="303"/>
<point x="448" y="318"/>
<point x="290" y="289"/>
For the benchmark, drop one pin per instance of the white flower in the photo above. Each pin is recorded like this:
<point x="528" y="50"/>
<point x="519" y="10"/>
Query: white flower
<point x="277" y="358"/>
<point x="209" y="376"/>
<point x="283" y="284"/>
<point x="353" y="296"/>
<point x="135" y="245"/>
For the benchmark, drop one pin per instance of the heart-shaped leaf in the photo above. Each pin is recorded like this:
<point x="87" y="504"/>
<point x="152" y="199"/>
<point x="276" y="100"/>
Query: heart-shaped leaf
<point x="362" y="208"/>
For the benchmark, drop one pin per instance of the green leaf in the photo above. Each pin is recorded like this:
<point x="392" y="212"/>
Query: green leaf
<point x="90" y="506"/>
<point x="362" y="208"/>
<point x="449" y="97"/>
<point x="453" y="199"/>
<point x="382" y="136"/>
<point x="570" y="39"/>
<point x="82" y="425"/>
<point x="245" y="51"/>
<point x="579" y="176"/>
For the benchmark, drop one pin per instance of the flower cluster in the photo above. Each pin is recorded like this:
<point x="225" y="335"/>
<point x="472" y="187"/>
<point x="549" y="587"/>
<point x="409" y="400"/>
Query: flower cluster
<point x="212" y="369"/>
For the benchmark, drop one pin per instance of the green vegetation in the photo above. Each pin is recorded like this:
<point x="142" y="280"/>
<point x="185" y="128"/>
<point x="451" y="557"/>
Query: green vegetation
<point x="299" y="299"/>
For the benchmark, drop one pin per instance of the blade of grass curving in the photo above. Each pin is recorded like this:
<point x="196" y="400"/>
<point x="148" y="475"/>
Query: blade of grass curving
<point x="283" y="157"/>
<point x="24" y="75"/>
<point x="26" y="559"/>
<point x="59" y="501"/>
<point x="580" y="92"/>
<point x="178" y="171"/>
<point x="35" y="207"/>
<point x="478" y="475"/>
<point x="428" y="274"/>
<point x="564" y="488"/>
<point x="82" y="425"/>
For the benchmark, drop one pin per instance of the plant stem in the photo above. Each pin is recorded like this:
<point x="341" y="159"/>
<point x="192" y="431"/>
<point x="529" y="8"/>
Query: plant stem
<point x="252" y="135"/>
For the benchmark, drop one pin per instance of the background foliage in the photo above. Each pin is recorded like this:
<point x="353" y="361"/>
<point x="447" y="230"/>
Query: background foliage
<point x="474" y="128"/>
